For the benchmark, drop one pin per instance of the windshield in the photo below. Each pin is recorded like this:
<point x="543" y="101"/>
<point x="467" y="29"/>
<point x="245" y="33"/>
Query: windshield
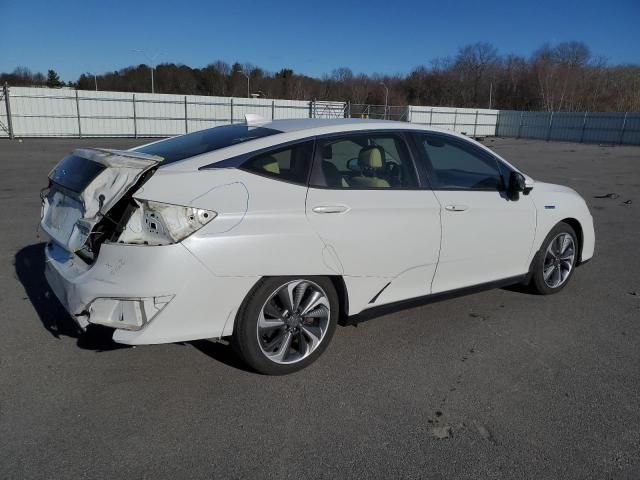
<point x="197" y="143"/>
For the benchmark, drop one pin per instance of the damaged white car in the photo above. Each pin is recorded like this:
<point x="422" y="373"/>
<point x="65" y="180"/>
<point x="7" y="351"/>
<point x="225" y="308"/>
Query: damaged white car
<point x="270" y="232"/>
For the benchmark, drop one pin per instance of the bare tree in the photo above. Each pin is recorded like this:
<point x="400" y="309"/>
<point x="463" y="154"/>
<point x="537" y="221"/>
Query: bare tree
<point x="561" y="77"/>
<point x="474" y="64"/>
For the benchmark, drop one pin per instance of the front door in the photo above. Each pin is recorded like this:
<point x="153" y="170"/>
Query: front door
<point x="485" y="236"/>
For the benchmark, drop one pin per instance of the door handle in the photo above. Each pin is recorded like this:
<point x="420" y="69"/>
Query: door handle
<point x="330" y="209"/>
<point x="456" y="208"/>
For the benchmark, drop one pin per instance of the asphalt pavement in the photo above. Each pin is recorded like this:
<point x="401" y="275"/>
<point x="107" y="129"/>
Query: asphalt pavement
<point x="499" y="384"/>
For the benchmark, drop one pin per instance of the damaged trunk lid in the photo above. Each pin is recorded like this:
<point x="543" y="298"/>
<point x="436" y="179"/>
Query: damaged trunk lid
<point x="84" y="186"/>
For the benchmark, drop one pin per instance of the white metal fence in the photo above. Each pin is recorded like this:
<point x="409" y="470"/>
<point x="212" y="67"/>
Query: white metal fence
<point x="43" y="112"/>
<point x="474" y="122"/>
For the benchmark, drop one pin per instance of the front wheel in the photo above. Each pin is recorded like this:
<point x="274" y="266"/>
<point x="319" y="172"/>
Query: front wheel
<point x="557" y="260"/>
<point x="286" y="323"/>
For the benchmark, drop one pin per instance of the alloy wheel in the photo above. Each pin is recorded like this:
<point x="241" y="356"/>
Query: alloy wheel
<point x="558" y="260"/>
<point x="293" y="321"/>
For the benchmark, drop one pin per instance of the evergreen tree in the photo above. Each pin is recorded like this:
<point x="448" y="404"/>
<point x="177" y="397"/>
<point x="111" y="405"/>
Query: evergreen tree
<point x="53" y="79"/>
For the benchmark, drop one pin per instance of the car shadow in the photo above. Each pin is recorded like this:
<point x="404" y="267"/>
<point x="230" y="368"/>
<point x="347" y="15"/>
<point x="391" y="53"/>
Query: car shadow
<point x="520" y="288"/>
<point x="29" y="266"/>
<point x="221" y="352"/>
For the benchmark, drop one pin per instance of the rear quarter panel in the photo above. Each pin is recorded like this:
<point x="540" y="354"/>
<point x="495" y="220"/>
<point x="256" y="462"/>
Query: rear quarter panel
<point x="261" y="228"/>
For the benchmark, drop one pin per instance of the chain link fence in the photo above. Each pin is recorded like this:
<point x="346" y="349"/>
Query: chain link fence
<point x="377" y="112"/>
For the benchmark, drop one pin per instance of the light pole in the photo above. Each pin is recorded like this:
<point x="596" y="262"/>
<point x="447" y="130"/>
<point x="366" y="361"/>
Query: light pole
<point x="386" y="98"/>
<point x="152" y="59"/>
<point x="95" y="79"/>
<point x="245" y="74"/>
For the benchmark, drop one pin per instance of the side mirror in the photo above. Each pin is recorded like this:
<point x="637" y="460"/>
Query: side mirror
<point x="517" y="184"/>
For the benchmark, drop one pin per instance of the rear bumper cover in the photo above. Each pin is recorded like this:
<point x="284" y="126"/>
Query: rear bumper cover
<point x="192" y="302"/>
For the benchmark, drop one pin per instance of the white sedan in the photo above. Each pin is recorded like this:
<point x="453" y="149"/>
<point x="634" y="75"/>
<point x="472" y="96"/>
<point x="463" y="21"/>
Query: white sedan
<point x="270" y="232"/>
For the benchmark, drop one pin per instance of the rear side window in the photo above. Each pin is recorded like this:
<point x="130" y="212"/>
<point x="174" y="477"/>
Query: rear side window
<point x="197" y="143"/>
<point x="289" y="164"/>
<point x="455" y="164"/>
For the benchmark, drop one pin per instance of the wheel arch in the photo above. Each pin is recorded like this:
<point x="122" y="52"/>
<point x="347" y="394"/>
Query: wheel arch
<point x="336" y="280"/>
<point x="343" y="297"/>
<point x="577" y="227"/>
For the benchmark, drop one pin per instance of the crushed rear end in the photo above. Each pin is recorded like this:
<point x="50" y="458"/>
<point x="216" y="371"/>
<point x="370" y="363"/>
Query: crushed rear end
<point x="85" y="204"/>
<point x="116" y="259"/>
<point x="82" y="206"/>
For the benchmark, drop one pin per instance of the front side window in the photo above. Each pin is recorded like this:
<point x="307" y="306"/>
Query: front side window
<point x="363" y="161"/>
<point x="454" y="164"/>
<point x="290" y="164"/>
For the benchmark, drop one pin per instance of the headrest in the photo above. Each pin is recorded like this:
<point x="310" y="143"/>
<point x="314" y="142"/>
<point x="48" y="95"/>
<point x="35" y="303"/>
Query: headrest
<point x="371" y="157"/>
<point x="268" y="164"/>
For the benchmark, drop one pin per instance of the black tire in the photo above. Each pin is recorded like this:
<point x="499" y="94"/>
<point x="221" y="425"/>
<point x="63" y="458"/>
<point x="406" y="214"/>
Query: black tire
<point x="538" y="283"/>
<point x="245" y="337"/>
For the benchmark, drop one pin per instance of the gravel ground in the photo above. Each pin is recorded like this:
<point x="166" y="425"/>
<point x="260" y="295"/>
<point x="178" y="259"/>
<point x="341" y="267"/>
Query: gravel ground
<point x="500" y="384"/>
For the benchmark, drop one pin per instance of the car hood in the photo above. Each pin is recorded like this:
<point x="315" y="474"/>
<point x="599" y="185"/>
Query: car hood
<point x="552" y="187"/>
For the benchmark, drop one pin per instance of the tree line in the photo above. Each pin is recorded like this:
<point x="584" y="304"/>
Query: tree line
<point x="561" y="77"/>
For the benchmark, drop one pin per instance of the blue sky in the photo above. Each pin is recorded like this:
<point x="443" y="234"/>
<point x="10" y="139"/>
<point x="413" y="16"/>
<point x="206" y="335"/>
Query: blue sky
<point x="310" y="37"/>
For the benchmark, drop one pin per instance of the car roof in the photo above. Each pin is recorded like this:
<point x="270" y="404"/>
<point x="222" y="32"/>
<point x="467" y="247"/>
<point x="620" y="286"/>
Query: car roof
<point x="337" y="124"/>
<point x="290" y="130"/>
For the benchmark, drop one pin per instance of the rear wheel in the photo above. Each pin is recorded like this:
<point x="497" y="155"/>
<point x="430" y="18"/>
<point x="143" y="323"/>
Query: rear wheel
<point x="286" y="323"/>
<point x="557" y="260"/>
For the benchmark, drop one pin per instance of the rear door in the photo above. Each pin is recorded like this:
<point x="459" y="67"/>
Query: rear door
<point x="485" y="236"/>
<point x="366" y="204"/>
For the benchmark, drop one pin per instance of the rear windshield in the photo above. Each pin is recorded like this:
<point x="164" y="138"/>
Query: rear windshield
<point x="185" y="146"/>
<point x="75" y="173"/>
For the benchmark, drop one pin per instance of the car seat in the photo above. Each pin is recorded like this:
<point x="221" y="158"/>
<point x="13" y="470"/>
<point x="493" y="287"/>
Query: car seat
<point x="267" y="163"/>
<point x="332" y="176"/>
<point x="371" y="162"/>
